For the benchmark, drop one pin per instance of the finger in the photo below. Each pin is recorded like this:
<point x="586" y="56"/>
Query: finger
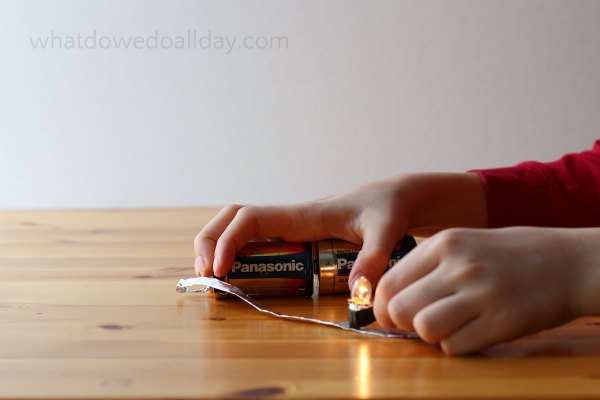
<point x="374" y="257"/>
<point x="216" y="226"/>
<point x="468" y="339"/>
<point x="206" y="240"/>
<point x="415" y="265"/>
<point x="478" y="334"/>
<point x="496" y="325"/>
<point x="404" y="305"/>
<point x="292" y="223"/>
<point x="440" y="319"/>
<point x="200" y="267"/>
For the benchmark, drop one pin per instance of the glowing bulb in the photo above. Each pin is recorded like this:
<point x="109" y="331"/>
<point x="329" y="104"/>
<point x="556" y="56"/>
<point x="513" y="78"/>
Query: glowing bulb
<point x="361" y="292"/>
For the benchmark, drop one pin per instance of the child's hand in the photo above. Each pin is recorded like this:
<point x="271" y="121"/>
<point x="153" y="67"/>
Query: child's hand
<point x="375" y="215"/>
<point x="468" y="288"/>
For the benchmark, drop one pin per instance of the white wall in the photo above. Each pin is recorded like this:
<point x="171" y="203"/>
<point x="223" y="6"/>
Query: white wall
<point x="362" y="90"/>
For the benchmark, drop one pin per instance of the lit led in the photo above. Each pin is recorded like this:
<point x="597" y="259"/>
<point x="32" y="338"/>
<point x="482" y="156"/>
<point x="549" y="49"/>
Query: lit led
<point x="362" y="292"/>
<point x="360" y="307"/>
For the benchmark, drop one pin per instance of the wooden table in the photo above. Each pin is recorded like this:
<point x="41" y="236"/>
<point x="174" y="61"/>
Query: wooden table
<point x="88" y="309"/>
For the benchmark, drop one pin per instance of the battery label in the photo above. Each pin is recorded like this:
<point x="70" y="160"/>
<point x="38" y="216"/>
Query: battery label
<point x="274" y="269"/>
<point x="261" y="266"/>
<point x="345" y="261"/>
<point x="347" y="253"/>
<point x="262" y="260"/>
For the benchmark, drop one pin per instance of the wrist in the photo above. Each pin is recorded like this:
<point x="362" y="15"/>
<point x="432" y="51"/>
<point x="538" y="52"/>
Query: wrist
<point x="587" y="268"/>
<point x="435" y="201"/>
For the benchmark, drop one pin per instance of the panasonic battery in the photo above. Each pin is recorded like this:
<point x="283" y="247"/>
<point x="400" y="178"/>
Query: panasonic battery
<point x="336" y="259"/>
<point x="287" y="269"/>
<point x="274" y="269"/>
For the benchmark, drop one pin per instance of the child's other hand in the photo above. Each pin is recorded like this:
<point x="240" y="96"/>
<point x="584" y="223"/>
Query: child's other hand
<point x="468" y="289"/>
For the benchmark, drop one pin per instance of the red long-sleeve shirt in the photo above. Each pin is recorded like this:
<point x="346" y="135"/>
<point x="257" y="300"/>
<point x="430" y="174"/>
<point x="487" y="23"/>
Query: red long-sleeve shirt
<point x="562" y="193"/>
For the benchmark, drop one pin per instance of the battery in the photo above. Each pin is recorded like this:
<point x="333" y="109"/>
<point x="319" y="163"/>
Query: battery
<point x="337" y="257"/>
<point x="289" y="269"/>
<point x="274" y="269"/>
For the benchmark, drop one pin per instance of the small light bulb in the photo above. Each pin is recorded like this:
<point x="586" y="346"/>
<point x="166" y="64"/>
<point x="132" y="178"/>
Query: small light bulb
<point x="361" y="292"/>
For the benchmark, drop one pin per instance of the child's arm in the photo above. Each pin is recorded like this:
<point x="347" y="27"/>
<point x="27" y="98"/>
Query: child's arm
<point x="561" y="193"/>
<point x="376" y="215"/>
<point x="464" y="288"/>
<point x="470" y="288"/>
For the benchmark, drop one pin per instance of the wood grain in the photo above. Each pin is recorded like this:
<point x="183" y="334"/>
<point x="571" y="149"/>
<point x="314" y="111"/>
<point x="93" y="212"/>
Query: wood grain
<point x="89" y="310"/>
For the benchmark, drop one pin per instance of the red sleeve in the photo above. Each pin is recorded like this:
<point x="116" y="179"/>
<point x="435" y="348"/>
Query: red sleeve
<point x="563" y="193"/>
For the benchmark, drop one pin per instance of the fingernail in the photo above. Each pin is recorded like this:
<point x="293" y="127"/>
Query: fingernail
<point x="199" y="266"/>
<point x="215" y="264"/>
<point x="351" y="279"/>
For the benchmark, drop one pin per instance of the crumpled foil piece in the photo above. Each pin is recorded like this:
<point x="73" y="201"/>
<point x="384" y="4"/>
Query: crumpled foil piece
<point x="202" y="284"/>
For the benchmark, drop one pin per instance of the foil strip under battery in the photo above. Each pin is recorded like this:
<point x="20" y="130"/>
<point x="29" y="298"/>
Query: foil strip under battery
<point x="202" y="284"/>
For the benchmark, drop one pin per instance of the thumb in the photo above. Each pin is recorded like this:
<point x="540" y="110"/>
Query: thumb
<point x="374" y="257"/>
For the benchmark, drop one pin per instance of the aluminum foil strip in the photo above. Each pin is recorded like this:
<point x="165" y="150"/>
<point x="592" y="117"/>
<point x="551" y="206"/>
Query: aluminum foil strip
<point x="204" y="284"/>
